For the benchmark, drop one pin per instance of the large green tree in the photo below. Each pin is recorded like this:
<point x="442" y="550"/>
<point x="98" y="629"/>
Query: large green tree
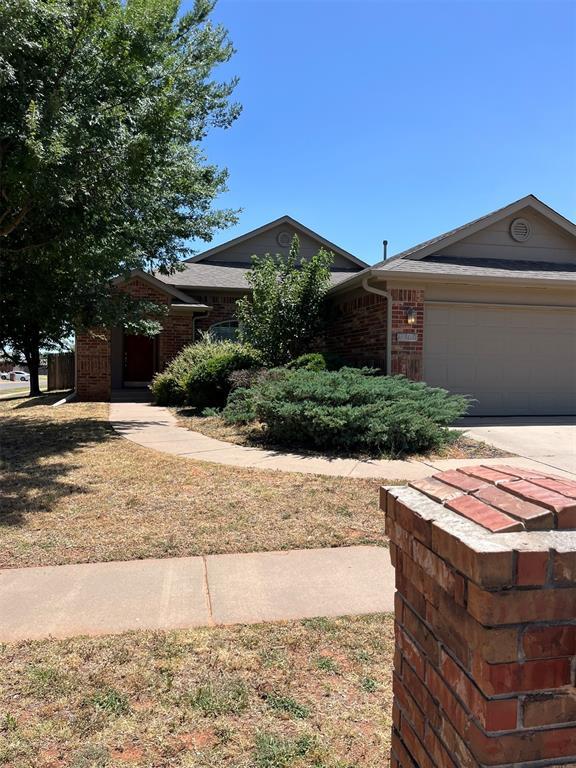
<point x="104" y="104"/>
<point x="285" y="311"/>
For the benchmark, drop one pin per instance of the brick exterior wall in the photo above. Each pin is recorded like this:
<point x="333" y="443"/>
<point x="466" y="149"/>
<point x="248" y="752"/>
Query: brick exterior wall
<point x="357" y="329"/>
<point x="223" y="307"/>
<point x="93" y="350"/>
<point x="177" y="330"/>
<point x="93" y="365"/>
<point x="140" y="289"/>
<point x="407" y="355"/>
<point x="356" y="333"/>
<point x="485" y="619"/>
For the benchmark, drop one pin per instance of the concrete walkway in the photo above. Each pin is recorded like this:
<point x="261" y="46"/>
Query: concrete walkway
<point x="156" y="428"/>
<point x="176" y="593"/>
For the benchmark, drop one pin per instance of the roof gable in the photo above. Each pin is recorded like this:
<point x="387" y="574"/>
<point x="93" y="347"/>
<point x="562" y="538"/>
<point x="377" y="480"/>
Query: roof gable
<point x="266" y="239"/>
<point x="445" y="243"/>
<point x="161" y="285"/>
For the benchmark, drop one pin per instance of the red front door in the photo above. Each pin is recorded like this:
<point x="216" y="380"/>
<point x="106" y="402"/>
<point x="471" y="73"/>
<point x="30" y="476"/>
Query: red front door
<point x="138" y="358"/>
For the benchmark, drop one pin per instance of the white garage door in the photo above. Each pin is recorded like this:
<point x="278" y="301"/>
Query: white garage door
<point x="512" y="360"/>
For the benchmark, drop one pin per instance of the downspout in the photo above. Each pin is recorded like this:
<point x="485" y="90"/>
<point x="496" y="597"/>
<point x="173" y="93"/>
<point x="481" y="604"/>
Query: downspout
<point x="198" y="316"/>
<point x="388" y="296"/>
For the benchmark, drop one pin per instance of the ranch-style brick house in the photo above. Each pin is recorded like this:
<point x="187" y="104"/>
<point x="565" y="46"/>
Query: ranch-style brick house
<point x="487" y="309"/>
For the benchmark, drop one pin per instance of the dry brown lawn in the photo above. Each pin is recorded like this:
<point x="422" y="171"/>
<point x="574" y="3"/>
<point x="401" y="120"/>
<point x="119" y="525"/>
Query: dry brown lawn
<point x="74" y="491"/>
<point x="315" y="694"/>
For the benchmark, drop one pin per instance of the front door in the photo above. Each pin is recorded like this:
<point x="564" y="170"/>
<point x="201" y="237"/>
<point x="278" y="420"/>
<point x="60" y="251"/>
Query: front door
<point x="138" y="359"/>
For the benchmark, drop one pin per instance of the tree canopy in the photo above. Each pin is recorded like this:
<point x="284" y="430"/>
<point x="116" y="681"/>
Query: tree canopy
<point x="104" y="107"/>
<point x="284" y="313"/>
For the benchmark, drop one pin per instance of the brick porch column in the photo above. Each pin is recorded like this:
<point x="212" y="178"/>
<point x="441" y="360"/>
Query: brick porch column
<point x="93" y="373"/>
<point x="407" y="339"/>
<point x="485" y="620"/>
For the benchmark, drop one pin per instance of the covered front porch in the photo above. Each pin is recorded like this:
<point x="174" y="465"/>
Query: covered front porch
<point x="114" y="359"/>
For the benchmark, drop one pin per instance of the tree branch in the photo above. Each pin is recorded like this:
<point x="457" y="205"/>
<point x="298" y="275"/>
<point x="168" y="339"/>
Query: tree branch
<point x="9" y="228"/>
<point x="30" y="247"/>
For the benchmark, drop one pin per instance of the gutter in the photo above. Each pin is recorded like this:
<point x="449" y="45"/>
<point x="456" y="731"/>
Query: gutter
<point x="388" y="296"/>
<point x="463" y="279"/>
<point x="410" y="276"/>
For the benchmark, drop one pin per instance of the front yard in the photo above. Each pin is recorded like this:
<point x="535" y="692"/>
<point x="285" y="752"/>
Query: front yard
<point x="74" y="491"/>
<point x="213" y="425"/>
<point x="315" y="693"/>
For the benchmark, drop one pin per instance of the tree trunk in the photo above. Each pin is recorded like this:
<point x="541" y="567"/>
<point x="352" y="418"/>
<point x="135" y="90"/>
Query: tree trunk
<point x="33" y="361"/>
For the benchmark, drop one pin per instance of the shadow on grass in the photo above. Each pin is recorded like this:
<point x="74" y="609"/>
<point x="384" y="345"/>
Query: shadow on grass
<point x="32" y="480"/>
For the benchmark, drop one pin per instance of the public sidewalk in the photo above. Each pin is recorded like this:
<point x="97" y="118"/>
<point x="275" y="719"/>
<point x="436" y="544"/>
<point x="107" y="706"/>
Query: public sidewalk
<point x="156" y="428"/>
<point x="177" y="593"/>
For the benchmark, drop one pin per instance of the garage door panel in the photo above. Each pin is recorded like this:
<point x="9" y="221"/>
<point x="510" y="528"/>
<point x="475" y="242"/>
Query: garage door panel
<point x="512" y="360"/>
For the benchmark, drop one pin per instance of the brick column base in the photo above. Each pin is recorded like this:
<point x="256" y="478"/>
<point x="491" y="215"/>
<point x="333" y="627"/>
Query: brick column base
<point x="485" y="619"/>
<point x="93" y="374"/>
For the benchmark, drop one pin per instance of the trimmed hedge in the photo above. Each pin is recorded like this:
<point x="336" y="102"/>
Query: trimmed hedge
<point x="208" y="383"/>
<point x="315" y="361"/>
<point x="351" y="410"/>
<point x="200" y="374"/>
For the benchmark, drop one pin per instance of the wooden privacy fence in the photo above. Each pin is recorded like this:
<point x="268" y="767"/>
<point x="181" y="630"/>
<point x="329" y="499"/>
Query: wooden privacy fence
<point x="61" y="371"/>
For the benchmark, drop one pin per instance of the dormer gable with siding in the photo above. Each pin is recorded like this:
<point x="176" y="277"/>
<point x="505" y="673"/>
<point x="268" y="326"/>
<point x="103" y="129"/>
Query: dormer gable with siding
<point x="276" y="237"/>
<point x="525" y="231"/>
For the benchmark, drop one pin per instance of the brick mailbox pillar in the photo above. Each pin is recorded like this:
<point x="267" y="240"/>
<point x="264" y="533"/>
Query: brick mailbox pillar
<point x="485" y="661"/>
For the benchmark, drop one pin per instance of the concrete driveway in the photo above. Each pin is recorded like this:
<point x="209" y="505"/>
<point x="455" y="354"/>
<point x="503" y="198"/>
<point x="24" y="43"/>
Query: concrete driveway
<point x="550" y="440"/>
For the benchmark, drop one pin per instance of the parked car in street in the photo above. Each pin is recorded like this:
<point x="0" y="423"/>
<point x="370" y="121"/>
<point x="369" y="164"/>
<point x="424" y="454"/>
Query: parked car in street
<point x="20" y="375"/>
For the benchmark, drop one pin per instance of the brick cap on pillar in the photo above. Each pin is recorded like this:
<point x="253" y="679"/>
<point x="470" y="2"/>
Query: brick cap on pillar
<point x="485" y="619"/>
<point x="481" y="540"/>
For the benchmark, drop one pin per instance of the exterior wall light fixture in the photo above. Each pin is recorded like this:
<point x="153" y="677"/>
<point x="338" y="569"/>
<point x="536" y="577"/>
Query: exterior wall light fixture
<point x="411" y="316"/>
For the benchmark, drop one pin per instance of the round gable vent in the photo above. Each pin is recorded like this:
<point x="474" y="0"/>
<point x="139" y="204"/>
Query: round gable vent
<point x="520" y="230"/>
<point x="284" y="239"/>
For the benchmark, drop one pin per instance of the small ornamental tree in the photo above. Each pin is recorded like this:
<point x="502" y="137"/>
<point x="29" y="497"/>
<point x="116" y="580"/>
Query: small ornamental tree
<point x="285" y="311"/>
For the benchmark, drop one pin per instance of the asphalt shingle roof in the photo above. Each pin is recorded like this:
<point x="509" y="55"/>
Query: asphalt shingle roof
<point x="445" y="265"/>
<point x="210" y="275"/>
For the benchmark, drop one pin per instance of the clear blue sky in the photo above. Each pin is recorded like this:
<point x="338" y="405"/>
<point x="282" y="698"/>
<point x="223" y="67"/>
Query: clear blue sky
<point x="397" y="120"/>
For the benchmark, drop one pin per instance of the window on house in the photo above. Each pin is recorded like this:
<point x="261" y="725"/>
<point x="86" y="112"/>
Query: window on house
<point x="228" y="329"/>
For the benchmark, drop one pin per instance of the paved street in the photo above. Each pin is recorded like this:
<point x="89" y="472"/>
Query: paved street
<point x="15" y="387"/>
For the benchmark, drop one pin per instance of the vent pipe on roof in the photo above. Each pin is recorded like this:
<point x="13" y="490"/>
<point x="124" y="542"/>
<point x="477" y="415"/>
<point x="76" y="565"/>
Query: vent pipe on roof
<point x="385" y="248"/>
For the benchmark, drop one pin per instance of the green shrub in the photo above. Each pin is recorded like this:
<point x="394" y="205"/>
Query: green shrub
<point x="352" y="409"/>
<point x="200" y="374"/>
<point x="167" y="390"/>
<point x="208" y="382"/>
<point x="316" y="361"/>
<point x="241" y="407"/>
<point x="311" y="361"/>
<point x="244" y="378"/>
